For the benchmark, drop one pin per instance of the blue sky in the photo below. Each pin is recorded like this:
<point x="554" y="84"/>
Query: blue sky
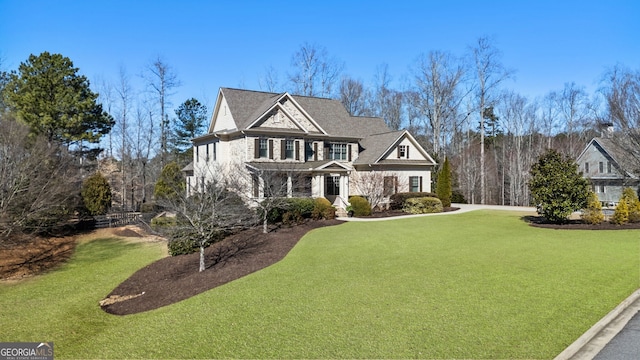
<point x="212" y="44"/>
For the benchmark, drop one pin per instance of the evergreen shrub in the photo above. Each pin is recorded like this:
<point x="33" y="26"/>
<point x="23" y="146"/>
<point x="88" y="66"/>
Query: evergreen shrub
<point x="423" y="205"/>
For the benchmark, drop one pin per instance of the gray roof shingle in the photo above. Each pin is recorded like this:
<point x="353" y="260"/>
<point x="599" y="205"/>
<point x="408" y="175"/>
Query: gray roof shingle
<point x="247" y="105"/>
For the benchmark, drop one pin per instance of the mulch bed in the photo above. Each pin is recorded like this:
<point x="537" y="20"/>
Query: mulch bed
<point x="574" y="224"/>
<point x="176" y="278"/>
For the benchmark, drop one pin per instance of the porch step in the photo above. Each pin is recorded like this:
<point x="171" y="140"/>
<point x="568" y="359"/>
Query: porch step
<point x="340" y="212"/>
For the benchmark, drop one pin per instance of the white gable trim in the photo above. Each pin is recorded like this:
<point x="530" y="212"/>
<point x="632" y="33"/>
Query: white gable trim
<point x="403" y="135"/>
<point x="278" y="104"/>
<point x="332" y="163"/>
<point x="216" y="113"/>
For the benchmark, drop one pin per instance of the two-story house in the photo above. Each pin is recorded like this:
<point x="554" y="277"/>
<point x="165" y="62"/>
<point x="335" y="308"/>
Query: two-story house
<point x="313" y="143"/>
<point x="609" y="167"/>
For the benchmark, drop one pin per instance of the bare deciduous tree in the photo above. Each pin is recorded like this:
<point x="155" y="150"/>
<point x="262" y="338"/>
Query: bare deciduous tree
<point x="438" y="77"/>
<point x="371" y="184"/>
<point x="162" y="79"/>
<point x="39" y="182"/>
<point x="621" y="89"/>
<point x="353" y="96"/>
<point x="269" y="81"/>
<point x="210" y="211"/>
<point x="315" y="72"/>
<point x="490" y="73"/>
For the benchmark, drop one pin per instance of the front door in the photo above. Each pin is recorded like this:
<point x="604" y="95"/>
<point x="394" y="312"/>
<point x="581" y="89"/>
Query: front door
<point x="331" y="187"/>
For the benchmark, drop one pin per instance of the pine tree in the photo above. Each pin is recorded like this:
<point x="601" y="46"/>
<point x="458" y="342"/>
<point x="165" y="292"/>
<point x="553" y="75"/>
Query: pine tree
<point x="50" y="97"/>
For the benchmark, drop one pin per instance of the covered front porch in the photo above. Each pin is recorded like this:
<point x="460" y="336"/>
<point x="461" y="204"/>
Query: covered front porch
<point x="328" y="179"/>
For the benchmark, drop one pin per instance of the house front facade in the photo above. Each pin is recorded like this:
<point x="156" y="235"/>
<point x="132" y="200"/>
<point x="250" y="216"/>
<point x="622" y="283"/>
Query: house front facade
<point x="607" y="166"/>
<point x="300" y="146"/>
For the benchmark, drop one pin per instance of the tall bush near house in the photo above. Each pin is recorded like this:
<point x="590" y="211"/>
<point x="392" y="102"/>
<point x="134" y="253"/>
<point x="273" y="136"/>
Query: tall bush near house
<point x="633" y="204"/>
<point x="593" y="212"/>
<point x="96" y="194"/>
<point x="443" y="186"/>
<point x="621" y="214"/>
<point x="360" y="206"/>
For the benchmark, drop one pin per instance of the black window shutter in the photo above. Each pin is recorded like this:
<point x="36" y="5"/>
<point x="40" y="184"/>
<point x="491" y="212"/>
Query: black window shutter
<point x="297" y="150"/>
<point x="407" y="152"/>
<point x="270" y="149"/>
<point x="315" y="151"/>
<point x="420" y="183"/>
<point x="283" y="154"/>
<point x="256" y="152"/>
<point x="349" y="152"/>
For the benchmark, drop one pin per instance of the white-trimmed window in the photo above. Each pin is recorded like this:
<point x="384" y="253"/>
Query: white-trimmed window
<point x="415" y="183"/>
<point x="338" y="151"/>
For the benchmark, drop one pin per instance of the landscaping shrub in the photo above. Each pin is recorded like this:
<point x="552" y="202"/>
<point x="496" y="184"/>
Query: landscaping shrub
<point x="322" y="209"/>
<point x="163" y="221"/>
<point x="396" y="201"/>
<point x="183" y="241"/>
<point x="457" y="197"/>
<point x="621" y="214"/>
<point x="633" y="204"/>
<point x="149" y="207"/>
<point x="423" y="205"/>
<point x="593" y="212"/>
<point x="290" y="211"/>
<point x="360" y="206"/>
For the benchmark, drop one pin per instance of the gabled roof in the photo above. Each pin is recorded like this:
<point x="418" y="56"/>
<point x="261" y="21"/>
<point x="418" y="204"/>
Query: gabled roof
<point x="329" y="115"/>
<point x="376" y="146"/>
<point x="624" y="159"/>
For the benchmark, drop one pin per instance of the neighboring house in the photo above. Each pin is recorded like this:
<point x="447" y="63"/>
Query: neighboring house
<point x="609" y="167"/>
<point x="313" y="143"/>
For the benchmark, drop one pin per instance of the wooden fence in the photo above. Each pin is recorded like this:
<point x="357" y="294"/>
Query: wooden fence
<point x="117" y="219"/>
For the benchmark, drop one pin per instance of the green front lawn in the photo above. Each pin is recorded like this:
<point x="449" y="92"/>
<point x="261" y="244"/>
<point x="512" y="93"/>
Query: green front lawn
<point x="473" y="285"/>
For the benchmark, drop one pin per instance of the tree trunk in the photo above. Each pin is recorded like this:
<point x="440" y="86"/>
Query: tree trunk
<point x="201" y="258"/>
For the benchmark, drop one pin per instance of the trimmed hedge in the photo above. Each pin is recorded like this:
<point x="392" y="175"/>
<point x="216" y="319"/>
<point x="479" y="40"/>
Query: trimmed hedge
<point x="322" y="209"/>
<point x="291" y="211"/>
<point x="397" y="200"/>
<point x="360" y="206"/>
<point x="423" y="205"/>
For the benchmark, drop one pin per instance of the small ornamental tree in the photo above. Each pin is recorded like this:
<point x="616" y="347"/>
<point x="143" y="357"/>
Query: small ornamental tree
<point x="556" y="186"/>
<point x="621" y="214"/>
<point x="443" y="186"/>
<point x="96" y="194"/>
<point x="633" y="204"/>
<point x="593" y="212"/>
